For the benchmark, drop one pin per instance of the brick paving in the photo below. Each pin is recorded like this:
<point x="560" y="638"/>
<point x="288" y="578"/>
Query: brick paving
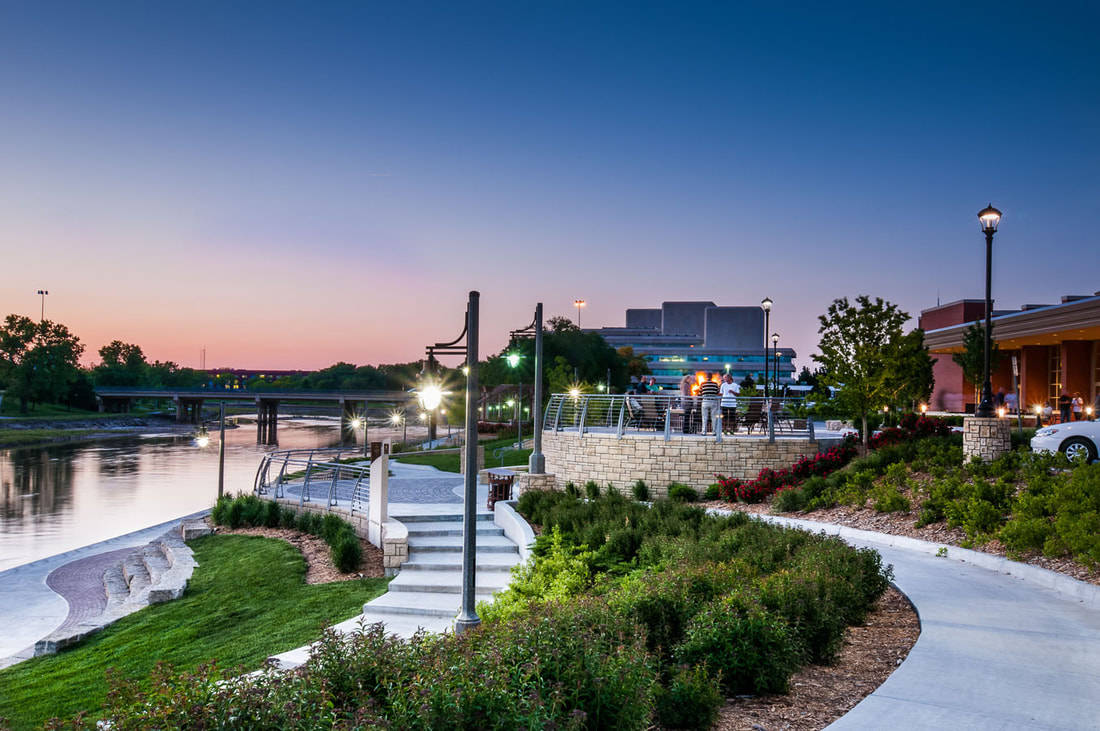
<point x="80" y="583"/>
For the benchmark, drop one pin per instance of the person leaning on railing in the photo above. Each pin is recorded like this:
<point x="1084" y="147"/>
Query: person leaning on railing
<point x="687" y="403"/>
<point x="709" y="393"/>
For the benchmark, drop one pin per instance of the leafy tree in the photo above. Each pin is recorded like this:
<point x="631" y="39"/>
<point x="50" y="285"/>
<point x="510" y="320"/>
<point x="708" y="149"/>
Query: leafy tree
<point x="806" y="378"/>
<point x="859" y="350"/>
<point x="908" y="373"/>
<point x="123" y="364"/>
<point x="636" y="365"/>
<point x="38" y="361"/>
<point x="972" y="357"/>
<point x="561" y="324"/>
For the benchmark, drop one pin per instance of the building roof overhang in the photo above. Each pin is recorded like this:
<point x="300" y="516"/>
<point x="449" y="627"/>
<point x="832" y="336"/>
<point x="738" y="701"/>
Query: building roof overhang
<point x="1075" y="320"/>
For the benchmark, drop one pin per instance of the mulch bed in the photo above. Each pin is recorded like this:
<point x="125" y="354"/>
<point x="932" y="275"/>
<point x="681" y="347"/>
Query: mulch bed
<point x="820" y="694"/>
<point x="318" y="555"/>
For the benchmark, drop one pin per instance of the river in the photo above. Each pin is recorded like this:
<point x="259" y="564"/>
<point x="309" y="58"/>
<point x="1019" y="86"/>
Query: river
<point x="59" y="497"/>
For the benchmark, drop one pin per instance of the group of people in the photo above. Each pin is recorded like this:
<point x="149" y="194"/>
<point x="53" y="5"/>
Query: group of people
<point x="708" y="392"/>
<point x="1070" y="408"/>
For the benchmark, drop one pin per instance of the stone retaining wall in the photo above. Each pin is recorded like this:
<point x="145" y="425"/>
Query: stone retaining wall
<point x="986" y="438"/>
<point x="694" y="461"/>
<point x="395" y="539"/>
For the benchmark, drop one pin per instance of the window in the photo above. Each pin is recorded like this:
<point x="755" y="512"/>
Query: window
<point x="1054" y="374"/>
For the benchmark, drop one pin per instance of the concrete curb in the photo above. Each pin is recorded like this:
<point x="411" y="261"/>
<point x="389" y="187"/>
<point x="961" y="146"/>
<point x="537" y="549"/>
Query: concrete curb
<point x="515" y="527"/>
<point x="1087" y="594"/>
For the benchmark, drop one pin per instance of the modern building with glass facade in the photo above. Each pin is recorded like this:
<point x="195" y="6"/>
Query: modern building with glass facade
<point x="686" y="337"/>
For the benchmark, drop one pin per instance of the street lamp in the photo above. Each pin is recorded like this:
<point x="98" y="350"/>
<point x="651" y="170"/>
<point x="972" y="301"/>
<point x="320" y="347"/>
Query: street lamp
<point x="775" y="370"/>
<point x="536" y="463"/>
<point x="42" y="293"/>
<point x="579" y="304"/>
<point x="989" y="217"/>
<point x="399" y="418"/>
<point x="766" y="304"/>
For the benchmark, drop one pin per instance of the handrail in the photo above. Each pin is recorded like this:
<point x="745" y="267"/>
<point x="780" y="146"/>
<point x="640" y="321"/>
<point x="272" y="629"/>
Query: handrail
<point x="671" y="413"/>
<point x="345" y="481"/>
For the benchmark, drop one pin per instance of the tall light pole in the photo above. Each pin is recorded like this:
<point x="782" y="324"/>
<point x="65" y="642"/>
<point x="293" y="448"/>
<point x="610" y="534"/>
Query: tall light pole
<point x="536" y="463"/>
<point x="513" y="363"/>
<point x="775" y="370"/>
<point x="989" y="217"/>
<point x="42" y="313"/>
<point x="579" y="304"/>
<point x="221" y="450"/>
<point x="766" y="304"/>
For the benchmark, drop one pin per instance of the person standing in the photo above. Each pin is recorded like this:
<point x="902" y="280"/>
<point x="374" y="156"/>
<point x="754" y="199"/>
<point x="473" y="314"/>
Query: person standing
<point x="687" y="403"/>
<point x="1078" y="405"/>
<point x="1065" y="403"/>
<point x="729" y="391"/>
<point x="653" y="387"/>
<point x="709" y="393"/>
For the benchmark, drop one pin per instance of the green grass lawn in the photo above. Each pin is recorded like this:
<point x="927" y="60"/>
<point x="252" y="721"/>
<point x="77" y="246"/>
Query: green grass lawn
<point x="247" y="600"/>
<point x="57" y="412"/>
<point x="450" y="462"/>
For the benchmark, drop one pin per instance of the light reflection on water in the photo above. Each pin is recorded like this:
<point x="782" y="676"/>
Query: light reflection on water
<point x="59" y="497"/>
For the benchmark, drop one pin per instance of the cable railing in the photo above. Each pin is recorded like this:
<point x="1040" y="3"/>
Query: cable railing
<point x="676" y="415"/>
<point x="336" y="474"/>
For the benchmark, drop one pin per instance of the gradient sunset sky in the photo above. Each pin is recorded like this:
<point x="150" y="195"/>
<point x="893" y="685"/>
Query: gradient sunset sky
<point x="293" y="184"/>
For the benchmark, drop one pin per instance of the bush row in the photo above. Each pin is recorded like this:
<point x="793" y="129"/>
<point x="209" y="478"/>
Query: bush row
<point x="249" y="510"/>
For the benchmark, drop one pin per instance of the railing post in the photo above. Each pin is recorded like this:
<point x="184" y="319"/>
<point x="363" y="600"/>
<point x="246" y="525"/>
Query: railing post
<point x="305" y="482"/>
<point x="810" y="427"/>
<point x="332" y="485"/>
<point x="718" y="428"/>
<point x="584" y="416"/>
<point x="622" y="412"/>
<point x="557" y="416"/>
<point x="771" y="423"/>
<point x="668" y="422"/>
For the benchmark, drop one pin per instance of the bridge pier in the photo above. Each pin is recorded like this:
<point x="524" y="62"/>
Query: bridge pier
<point x="188" y="410"/>
<point x="267" y="421"/>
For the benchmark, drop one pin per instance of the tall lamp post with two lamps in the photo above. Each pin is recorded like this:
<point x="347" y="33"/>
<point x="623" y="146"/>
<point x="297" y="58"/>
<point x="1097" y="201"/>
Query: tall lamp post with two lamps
<point x="766" y="305"/>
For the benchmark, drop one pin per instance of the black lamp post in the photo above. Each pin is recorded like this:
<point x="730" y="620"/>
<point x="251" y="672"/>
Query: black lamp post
<point x="775" y="369"/>
<point x="766" y="303"/>
<point x="989" y="218"/>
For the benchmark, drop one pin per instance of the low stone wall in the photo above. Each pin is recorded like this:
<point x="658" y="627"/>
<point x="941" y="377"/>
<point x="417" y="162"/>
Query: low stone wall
<point x="694" y="461"/>
<point x="395" y="538"/>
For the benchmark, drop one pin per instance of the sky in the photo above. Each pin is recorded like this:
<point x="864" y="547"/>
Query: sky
<point x="288" y="185"/>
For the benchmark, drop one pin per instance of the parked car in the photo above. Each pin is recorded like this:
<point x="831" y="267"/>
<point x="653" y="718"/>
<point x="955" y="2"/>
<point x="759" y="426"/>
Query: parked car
<point x="1074" y="438"/>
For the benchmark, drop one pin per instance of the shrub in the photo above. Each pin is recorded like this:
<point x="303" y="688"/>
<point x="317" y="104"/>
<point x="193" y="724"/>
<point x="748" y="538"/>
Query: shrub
<point x="682" y="493"/>
<point x="713" y="491"/>
<point x="641" y="491"/>
<point x="347" y="552"/>
<point x="789" y="500"/>
<point x="571" y="490"/>
<point x="752" y="650"/>
<point x="592" y="489"/>
<point x="692" y="699"/>
<point x="331" y="527"/>
<point x="273" y="514"/>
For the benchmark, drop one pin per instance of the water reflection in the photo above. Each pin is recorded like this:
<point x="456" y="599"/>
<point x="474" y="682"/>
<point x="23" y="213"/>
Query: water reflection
<point x="59" y="497"/>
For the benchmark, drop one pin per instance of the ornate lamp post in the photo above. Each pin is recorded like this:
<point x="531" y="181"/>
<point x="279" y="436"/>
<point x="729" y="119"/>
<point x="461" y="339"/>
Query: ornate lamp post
<point x="467" y="614"/>
<point x="766" y="304"/>
<point x="989" y="217"/>
<point x="536" y="463"/>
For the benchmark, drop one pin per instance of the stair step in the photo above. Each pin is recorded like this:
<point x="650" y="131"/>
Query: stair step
<point x="419" y="603"/>
<point x="447" y="582"/>
<point x="450" y="544"/>
<point x="438" y="560"/>
<point x="441" y="518"/>
<point x="452" y="528"/>
<point x="156" y="563"/>
<point x="115" y="585"/>
<point x="137" y="576"/>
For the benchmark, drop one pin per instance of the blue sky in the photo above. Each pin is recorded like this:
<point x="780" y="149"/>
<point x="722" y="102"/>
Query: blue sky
<point x="291" y="184"/>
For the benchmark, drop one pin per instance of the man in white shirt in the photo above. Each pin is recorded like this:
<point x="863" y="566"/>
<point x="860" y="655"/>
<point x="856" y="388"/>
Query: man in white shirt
<point x="729" y="391"/>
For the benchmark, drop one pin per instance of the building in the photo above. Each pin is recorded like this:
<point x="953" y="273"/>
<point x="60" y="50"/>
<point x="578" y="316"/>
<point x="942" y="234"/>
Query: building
<point x="1056" y="348"/>
<point x="238" y="378"/>
<point x="685" y="337"/>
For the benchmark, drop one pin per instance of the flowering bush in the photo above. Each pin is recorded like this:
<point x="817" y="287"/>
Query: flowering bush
<point x="911" y="427"/>
<point x="769" y="481"/>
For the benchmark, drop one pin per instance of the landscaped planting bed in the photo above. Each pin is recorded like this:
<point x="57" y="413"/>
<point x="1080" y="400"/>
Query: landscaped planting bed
<point x="1034" y="507"/>
<point x="630" y="616"/>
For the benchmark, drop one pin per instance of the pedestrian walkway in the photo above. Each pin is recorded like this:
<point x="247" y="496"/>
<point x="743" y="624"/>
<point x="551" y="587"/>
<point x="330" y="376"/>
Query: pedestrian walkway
<point x="996" y="651"/>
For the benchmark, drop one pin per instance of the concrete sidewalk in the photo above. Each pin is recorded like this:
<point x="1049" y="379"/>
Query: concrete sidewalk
<point x="996" y="651"/>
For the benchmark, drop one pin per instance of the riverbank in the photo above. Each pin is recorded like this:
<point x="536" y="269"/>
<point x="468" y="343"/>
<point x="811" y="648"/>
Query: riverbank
<point x="40" y="432"/>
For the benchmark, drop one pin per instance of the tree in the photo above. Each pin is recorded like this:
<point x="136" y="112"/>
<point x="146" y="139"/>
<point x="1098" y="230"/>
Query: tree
<point x="561" y="324"/>
<point x="908" y="373"/>
<point x="38" y="361"/>
<point x="636" y="365"/>
<point x="859" y="350"/>
<point x="123" y="364"/>
<point x="972" y="357"/>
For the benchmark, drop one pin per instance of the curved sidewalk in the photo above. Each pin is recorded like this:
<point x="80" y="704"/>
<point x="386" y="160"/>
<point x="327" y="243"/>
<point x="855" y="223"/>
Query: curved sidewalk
<point x="996" y="651"/>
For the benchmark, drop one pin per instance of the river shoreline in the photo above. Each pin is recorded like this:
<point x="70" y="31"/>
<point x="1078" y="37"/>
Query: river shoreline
<point x="21" y="433"/>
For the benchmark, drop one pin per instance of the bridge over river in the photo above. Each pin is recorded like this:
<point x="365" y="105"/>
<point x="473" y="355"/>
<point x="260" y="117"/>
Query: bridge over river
<point x="189" y="403"/>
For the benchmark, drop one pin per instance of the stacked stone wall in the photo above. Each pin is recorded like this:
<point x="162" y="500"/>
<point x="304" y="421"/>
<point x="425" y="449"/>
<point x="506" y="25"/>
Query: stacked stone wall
<point x="693" y="461"/>
<point x="395" y="543"/>
<point x="986" y="438"/>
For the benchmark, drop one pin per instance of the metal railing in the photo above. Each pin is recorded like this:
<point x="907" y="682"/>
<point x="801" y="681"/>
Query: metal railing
<point x="673" y="414"/>
<point x="309" y="473"/>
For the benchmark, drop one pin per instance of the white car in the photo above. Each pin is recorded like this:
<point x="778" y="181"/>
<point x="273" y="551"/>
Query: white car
<point x="1074" y="438"/>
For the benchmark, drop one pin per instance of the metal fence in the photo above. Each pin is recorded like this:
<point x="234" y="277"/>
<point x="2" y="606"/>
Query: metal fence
<point x="673" y="414"/>
<point x="310" y="474"/>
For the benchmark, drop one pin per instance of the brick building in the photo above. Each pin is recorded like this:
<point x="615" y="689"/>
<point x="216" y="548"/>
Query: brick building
<point x="1057" y="347"/>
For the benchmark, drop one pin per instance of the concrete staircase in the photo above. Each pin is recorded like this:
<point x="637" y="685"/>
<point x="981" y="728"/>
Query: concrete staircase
<point x="427" y="593"/>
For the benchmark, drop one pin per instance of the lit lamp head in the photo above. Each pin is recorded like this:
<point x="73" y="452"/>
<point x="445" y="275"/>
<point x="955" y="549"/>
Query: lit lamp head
<point x="510" y="403"/>
<point x="513" y="359"/>
<point x="423" y="416"/>
<point x="575" y="392"/>
<point x="202" y="440"/>
<point x="924" y="408"/>
<point x="775" y="338"/>
<point x="601" y="387"/>
<point x="430" y="396"/>
<point x="395" y="418"/>
<point x="1088" y="411"/>
<point x="886" y="409"/>
<point x="989" y="217"/>
<point x="766" y="303"/>
<point x="356" y="423"/>
<point x="465" y="370"/>
<point x="1038" y="408"/>
<point x="1001" y="411"/>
